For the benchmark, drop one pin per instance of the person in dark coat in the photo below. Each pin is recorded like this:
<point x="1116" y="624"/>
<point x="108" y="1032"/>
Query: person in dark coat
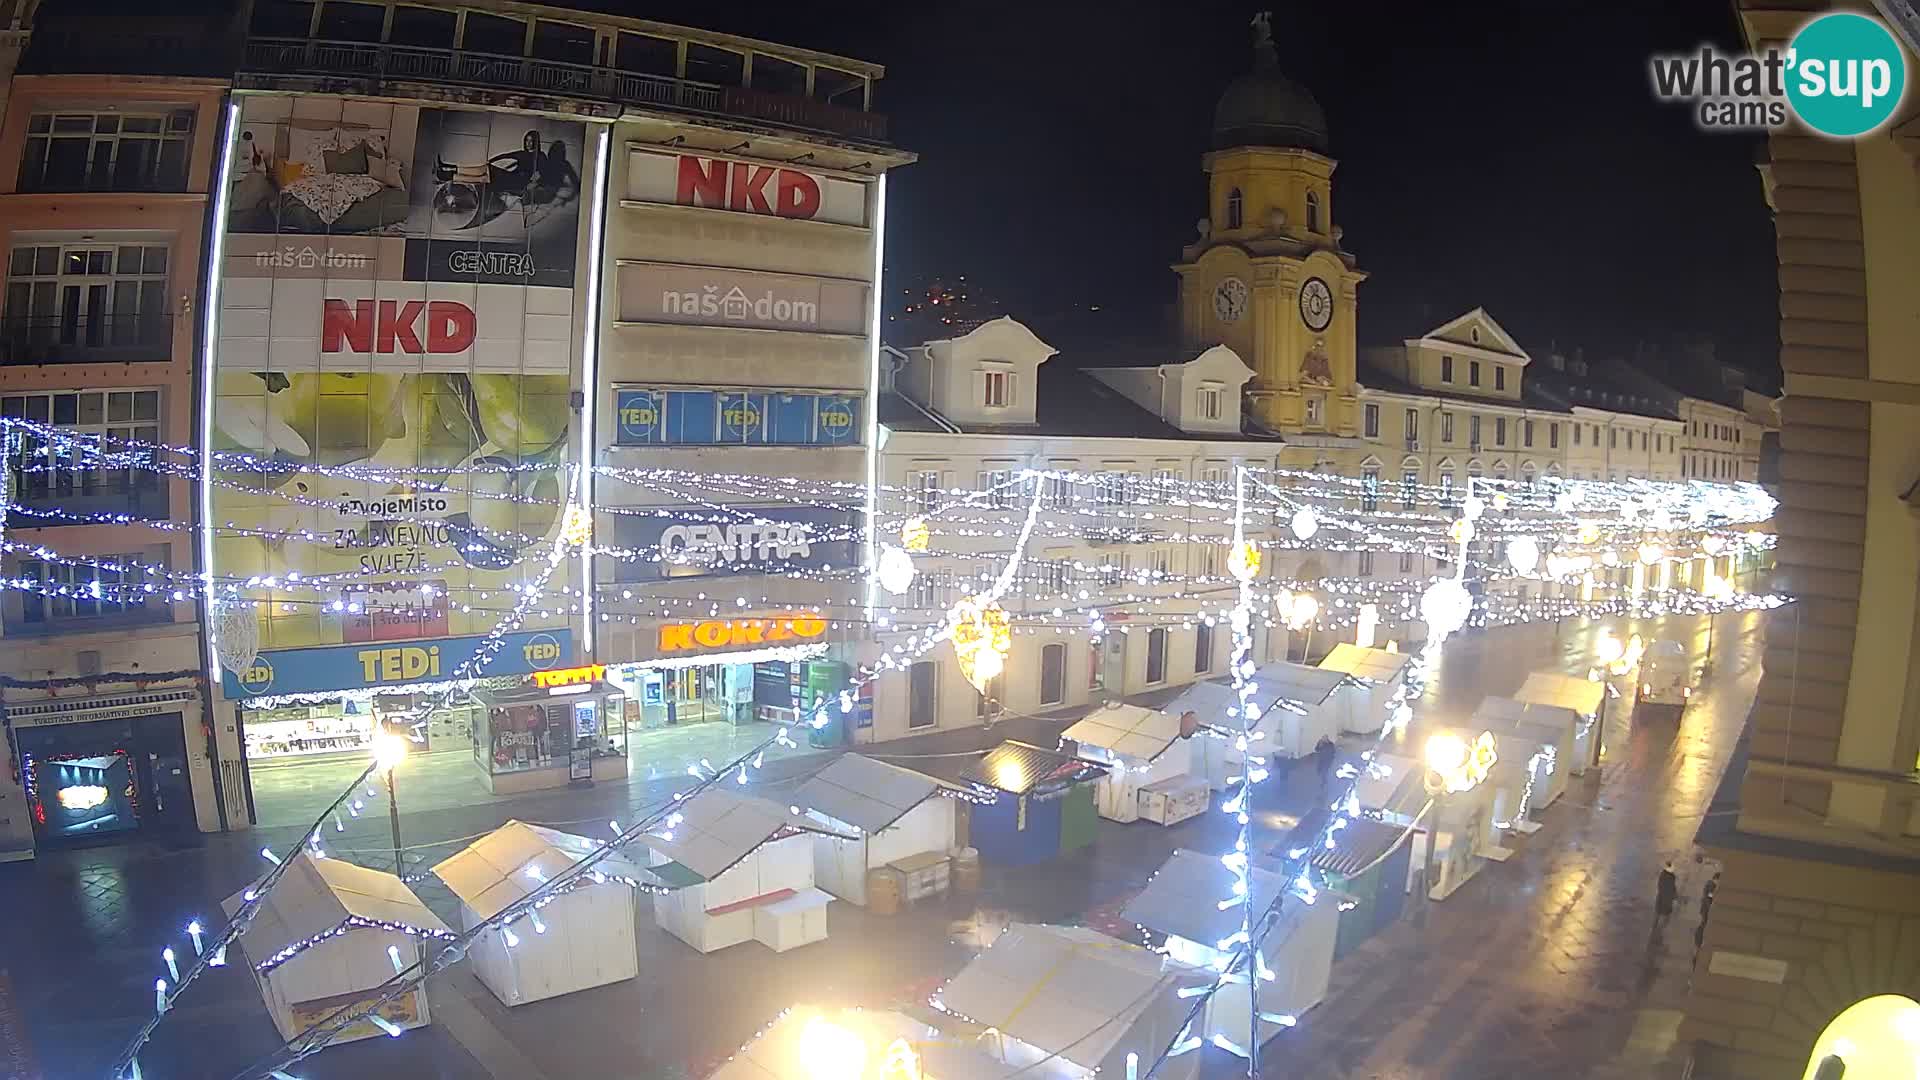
<point x="1324" y="753"/>
<point x="1666" y="893"/>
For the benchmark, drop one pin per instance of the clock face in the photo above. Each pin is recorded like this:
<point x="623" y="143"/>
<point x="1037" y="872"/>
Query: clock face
<point x="1230" y="300"/>
<point x="1316" y="304"/>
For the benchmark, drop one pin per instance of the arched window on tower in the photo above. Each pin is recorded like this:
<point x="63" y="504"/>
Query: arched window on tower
<point x="1313" y="211"/>
<point x="1235" y="209"/>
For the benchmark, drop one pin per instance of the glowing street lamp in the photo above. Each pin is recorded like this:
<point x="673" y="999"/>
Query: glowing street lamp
<point x="389" y="750"/>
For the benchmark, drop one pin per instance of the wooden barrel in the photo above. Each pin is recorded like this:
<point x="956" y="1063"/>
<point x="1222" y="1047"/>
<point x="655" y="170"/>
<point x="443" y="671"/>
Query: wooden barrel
<point x="883" y="891"/>
<point x="966" y="871"/>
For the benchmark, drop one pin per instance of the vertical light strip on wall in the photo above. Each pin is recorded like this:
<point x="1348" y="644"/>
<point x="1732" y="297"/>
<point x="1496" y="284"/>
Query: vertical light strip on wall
<point x="873" y="387"/>
<point x="210" y="305"/>
<point x="590" y="376"/>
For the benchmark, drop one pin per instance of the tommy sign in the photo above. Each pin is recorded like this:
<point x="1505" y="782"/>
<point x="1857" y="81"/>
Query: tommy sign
<point x="745" y="187"/>
<point x="712" y="296"/>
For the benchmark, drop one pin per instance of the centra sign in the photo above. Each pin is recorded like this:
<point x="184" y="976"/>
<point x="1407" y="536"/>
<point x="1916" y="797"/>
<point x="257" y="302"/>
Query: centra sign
<point x="737" y="633"/>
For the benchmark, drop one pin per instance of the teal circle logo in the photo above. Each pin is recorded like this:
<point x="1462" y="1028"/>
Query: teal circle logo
<point x="1845" y="75"/>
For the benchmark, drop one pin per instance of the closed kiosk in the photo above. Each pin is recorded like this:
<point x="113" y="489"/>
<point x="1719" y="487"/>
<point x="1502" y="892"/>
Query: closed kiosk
<point x="739" y="869"/>
<point x="583" y="937"/>
<point x="1067" y="1003"/>
<point x="1141" y="747"/>
<point x="1369" y="864"/>
<point x="1585" y="697"/>
<point x="1552" y="726"/>
<point x="1025" y="792"/>
<point x="326" y="938"/>
<point x="1294" y="706"/>
<point x="1182" y="901"/>
<point x="1380" y="676"/>
<point x="891" y="814"/>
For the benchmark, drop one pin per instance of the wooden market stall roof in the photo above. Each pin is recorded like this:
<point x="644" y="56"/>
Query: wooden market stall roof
<point x="1183" y="897"/>
<point x="1129" y="730"/>
<point x="316" y="897"/>
<point x="1373" y="665"/>
<point x="1020" y="768"/>
<point x="1576" y="692"/>
<point x="866" y="793"/>
<point x="717" y="828"/>
<point x="508" y="864"/>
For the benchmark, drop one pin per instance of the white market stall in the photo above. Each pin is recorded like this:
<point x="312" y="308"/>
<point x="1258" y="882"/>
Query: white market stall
<point x="1067" y="1003"/>
<point x="1552" y="726"/>
<point x="739" y="869"/>
<point x="1380" y="675"/>
<point x="1293" y="704"/>
<point x="1393" y="790"/>
<point x="1586" y="697"/>
<point x="1151" y="754"/>
<point x="1466" y="823"/>
<point x="893" y="814"/>
<point x="583" y="937"/>
<point x="858" y="1044"/>
<point x="1182" y="901"/>
<point x="326" y="936"/>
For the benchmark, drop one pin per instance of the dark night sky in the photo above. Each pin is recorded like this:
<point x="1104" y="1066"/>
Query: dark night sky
<point x="1505" y="154"/>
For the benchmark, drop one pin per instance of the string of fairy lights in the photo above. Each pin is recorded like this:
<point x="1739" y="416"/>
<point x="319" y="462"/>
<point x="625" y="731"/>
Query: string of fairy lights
<point x="1549" y="535"/>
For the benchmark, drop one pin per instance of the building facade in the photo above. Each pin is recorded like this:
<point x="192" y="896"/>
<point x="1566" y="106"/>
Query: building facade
<point x="103" y="206"/>
<point x="1817" y="820"/>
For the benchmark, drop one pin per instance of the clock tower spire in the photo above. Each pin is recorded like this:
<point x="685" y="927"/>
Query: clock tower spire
<point x="1267" y="276"/>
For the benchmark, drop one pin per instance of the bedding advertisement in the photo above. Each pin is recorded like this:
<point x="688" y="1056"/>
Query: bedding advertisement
<point x="398" y="296"/>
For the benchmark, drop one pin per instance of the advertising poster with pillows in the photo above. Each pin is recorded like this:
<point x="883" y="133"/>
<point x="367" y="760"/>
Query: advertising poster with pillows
<point x="398" y="295"/>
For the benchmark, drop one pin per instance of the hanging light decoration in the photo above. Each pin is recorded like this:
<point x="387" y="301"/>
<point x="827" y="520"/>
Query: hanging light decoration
<point x="1461" y="531"/>
<point x="1523" y="554"/>
<point x="1473" y="507"/>
<point x="1445" y="607"/>
<point x="1713" y="543"/>
<point x="895" y="571"/>
<point x="576" y="527"/>
<point x="1587" y="533"/>
<point x="1243" y="562"/>
<point x="914" y="534"/>
<point x="982" y="637"/>
<point x="1651" y="553"/>
<point x="1301" y="610"/>
<point x="1304" y="524"/>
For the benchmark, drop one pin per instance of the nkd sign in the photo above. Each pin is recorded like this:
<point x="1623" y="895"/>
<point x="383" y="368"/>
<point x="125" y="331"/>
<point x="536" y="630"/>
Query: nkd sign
<point x="708" y="296"/>
<point x="389" y="326"/>
<point x="745" y="187"/>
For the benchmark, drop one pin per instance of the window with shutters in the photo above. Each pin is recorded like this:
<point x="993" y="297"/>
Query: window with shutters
<point x="996" y="389"/>
<point x="1207" y="402"/>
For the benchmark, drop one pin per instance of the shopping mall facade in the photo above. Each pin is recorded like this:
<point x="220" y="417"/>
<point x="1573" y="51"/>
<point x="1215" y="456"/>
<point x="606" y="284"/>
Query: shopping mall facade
<point x="425" y="232"/>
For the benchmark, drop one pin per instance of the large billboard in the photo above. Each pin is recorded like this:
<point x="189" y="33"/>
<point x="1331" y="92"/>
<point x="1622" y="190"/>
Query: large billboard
<point x="398" y="296"/>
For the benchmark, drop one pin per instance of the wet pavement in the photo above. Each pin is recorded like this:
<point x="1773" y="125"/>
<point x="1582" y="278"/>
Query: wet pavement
<point x="1543" y="964"/>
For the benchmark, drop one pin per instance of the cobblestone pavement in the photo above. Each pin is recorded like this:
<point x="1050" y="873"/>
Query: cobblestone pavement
<point x="1542" y="964"/>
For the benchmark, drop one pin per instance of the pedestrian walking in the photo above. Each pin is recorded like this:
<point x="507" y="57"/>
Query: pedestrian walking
<point x="1324" y="753"/>
<point x="1666" y="893"/>
<point x="1706" y="908"/>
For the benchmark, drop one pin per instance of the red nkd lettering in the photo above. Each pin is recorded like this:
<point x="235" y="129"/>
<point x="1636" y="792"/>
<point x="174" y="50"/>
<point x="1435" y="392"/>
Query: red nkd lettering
<point x="744" y="187"/>
<point x="390" y="326"/>
<point x="797" y="196"/>
<point x="702" y="182"/>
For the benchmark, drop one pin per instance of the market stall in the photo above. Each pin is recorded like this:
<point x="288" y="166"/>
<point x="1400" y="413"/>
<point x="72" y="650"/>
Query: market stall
<point x="858" y="1044"/>
<point x="1150" y="755"/>
<point x="1468" y="799"/>
<point x="1393" y="790"/>
<point x="893" y="814"/>
<point x="1371" y="863"/>
<point x="1380" y="676"/>
<point x="738" y="869"/>
<point x="1294" y="705"/>
<point x="583" y="937"/>
<point x="1552" y="727"/>
<point x="326" y="936"/>
<point x="1182" y="901"/>
<point x="1041" y="803"/>
<point x="1586" y="697"/>
<point x="1067" y="1003"/>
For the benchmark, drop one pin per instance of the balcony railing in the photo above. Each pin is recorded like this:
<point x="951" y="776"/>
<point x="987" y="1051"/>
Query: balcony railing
<point x="349" y="59"/>
<point x="69" y="494"/>
<point x="90" y="339"/>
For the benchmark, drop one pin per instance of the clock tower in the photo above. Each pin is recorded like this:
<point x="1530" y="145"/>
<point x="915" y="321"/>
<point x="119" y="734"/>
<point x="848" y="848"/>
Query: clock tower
<point x="1267" y="276"/>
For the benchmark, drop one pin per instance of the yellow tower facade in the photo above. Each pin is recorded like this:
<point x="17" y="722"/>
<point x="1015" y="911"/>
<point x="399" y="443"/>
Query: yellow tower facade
<point x="1267" y="276"/>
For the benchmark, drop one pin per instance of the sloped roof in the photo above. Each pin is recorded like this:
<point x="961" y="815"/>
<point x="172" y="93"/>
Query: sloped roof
<point x="867" y="794"/>
<point x="1359" y="845"/>
<point x="1286" y="681"/>
<point x="1391" y="783"/>
<point x="1018" y="768"/>
<point x="718" y="828"/>
<point x="315" y="896"/>
<point x="1503" y="714"/>
<point x="1576" y="692"/>
<point x="1074" y="993"/>
<point x="1184" y="895"/>
<point x="1376" y="665"/>
<point x="509" y="863"/>
<point x="1127" y="730"/>
<point x="775" y="1054"/>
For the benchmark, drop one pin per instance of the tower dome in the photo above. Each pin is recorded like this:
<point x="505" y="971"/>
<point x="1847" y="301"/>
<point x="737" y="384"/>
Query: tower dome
<point x="1265" y="108"/>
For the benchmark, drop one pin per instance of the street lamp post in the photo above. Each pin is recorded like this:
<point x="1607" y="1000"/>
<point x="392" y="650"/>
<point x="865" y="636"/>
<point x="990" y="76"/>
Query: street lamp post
<point x="389" y="750"/>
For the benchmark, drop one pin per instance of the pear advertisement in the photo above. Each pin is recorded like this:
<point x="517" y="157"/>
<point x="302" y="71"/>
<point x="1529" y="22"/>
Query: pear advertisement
<point x="397" y="336"/>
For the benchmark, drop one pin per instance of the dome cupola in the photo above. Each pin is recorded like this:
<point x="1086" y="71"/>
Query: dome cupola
<point x="1265" y="108"/>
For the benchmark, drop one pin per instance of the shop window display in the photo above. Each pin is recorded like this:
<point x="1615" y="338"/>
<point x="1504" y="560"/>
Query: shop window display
<point x="517" y="737"/>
